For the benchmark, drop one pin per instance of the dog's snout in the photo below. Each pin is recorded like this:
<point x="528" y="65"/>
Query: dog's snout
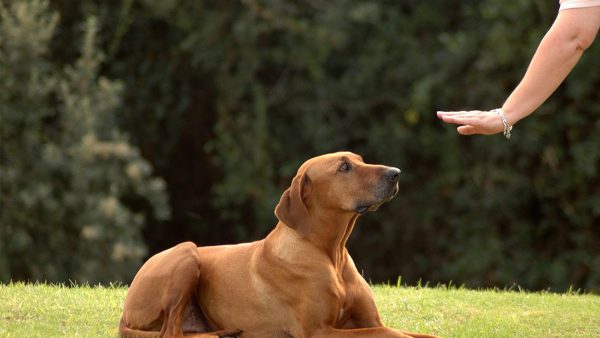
<point x="393" y="175"/>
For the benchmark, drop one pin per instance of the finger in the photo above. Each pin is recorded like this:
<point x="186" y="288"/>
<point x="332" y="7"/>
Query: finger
<point x="459" y="113"/>
<point x="461" y="120"/>
<point x="466" y="130"/>
<point x="445" y="113"/>
<point x="441" y="114"/>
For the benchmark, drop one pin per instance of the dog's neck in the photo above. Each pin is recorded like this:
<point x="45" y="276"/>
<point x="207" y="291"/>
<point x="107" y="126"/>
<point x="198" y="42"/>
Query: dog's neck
<point x="332" y="233"/>
<point x="328" y="234"/>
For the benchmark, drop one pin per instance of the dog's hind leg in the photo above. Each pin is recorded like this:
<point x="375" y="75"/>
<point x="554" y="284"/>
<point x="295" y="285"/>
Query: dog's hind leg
<point x="196" y="325"/>
<point x="215" y="334"/>
<point x="161" y="298"/>
<point x="185" y="317"/>
<point x="180" y="293"/>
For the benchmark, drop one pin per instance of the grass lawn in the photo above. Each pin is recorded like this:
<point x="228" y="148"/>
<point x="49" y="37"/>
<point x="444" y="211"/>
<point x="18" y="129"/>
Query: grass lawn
<point x="40" y="310"/>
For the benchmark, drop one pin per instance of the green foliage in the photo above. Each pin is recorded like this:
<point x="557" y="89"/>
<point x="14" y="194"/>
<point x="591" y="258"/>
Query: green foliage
<point x="227" y="98"/>
<point x="73" y="189"/>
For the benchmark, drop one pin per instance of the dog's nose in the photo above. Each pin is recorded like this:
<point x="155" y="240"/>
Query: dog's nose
<point x="393" y="174"/>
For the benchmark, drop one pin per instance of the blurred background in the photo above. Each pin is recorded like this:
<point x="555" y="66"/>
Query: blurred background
<point x="129" y="126"/>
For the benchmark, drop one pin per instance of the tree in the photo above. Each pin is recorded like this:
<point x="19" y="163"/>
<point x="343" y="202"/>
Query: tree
<point x="74" y="193"/>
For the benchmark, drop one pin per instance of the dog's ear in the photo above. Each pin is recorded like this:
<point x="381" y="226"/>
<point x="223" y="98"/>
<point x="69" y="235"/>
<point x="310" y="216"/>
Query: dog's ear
<point x="292" y="209"/>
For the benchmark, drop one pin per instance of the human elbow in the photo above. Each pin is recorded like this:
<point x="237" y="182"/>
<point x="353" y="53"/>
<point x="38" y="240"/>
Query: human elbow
<point x="585" y="38"/>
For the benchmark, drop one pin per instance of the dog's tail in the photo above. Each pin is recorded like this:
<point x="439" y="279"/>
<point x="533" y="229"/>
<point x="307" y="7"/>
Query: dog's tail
<point x="126" y="332"/>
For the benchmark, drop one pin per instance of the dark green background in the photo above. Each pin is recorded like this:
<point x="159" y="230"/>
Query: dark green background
<point x="225" y="99"/>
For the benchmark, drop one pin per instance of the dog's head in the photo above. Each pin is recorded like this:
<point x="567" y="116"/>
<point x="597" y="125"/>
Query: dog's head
<point x="340" y="182"/>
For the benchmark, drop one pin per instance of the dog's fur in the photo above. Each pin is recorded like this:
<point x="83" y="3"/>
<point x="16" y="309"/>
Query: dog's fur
<point x="298" y="282"/>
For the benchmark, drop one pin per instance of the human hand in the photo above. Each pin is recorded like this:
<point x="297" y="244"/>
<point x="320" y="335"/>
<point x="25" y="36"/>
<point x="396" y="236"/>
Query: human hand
<point x="473" y="122"/>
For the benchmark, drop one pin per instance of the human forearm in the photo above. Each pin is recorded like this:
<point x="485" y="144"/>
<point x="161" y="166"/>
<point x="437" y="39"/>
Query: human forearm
<point x="572" y="32"/>
<point x="560" y="50"/>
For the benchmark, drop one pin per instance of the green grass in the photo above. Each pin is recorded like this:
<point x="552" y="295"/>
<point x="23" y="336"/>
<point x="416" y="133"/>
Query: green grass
<point x="42" y="310"/>
<point x="458" y="312"/>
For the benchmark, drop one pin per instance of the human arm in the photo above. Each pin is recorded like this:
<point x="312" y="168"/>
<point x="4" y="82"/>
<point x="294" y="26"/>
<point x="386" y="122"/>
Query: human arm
<point x="572" y="33"/>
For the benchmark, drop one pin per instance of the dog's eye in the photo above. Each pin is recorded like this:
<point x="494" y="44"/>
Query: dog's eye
<point x="345" y="167"/>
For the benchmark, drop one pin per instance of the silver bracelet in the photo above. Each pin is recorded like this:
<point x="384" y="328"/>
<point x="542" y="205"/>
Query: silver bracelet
<point x="507" y="127"/>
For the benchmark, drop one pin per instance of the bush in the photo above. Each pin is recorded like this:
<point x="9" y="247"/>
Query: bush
<point x="227" y="98"/>
<point x="74" y="191"/>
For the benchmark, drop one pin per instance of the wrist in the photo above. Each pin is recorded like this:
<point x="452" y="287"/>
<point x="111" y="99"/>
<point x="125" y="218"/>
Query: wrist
<point x="506" y="125"/>
<point x="512" y="116"/>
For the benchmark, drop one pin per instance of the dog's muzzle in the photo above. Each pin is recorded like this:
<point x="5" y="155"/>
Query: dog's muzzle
<point x="384" y="191"/>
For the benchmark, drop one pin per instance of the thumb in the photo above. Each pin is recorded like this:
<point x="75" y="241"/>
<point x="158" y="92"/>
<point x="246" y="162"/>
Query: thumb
<point x="466" y="130"/>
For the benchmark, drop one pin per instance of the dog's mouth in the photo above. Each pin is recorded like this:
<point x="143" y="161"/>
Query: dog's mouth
<point x="363" y="208"/>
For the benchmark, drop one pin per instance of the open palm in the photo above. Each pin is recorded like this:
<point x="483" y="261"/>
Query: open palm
<point x="473" y="122"/>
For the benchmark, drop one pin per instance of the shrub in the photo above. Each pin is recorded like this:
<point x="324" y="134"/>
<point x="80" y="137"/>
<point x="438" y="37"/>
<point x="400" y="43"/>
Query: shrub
<point x="74" y="192"/>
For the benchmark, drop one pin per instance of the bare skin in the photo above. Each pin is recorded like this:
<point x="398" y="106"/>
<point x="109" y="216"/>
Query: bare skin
<point x="572" y="33"/>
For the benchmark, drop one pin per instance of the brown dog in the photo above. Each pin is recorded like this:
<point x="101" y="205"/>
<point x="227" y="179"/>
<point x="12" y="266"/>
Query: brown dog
<point x="298" y="282"/>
